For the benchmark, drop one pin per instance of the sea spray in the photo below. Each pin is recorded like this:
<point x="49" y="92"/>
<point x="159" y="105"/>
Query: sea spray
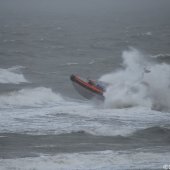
<point x="158" y="81"/>
<point x="140" y="83"/>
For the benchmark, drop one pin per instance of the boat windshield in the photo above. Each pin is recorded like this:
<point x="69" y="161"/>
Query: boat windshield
<point x="101" y="85"/>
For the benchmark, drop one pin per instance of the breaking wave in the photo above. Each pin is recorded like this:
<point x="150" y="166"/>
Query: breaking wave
<point x="11" y="76"/>
<point x="29" y="98"/>
<point x="139" y="83"/>
<point x="161" y="56"/>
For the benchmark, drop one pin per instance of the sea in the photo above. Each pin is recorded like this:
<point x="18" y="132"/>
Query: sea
<point x="45" y="124"/>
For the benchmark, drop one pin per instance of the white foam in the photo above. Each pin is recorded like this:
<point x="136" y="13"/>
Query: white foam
<point x="29" y="97"/>
<point x="148" y="33"/>
<point x="166" y="55"/>
<point x="12" y="76"/>
<point x="158" y="84"/>
<point x="140" y="83"/>
<point x="66" y="117"/>
<point x="103" y="160"/>
<point x="92" y="62"/>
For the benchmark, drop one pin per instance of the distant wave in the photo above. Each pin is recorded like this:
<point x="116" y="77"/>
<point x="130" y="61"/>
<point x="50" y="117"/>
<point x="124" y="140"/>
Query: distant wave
<point x="70" y="64"/>
<point x="12" y="76"/>
<point x="156" y="134"/>
<point x="147" y="33"/>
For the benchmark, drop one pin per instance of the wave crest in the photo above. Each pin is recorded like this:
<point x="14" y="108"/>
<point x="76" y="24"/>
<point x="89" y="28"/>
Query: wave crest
<point x="11" y="76"/>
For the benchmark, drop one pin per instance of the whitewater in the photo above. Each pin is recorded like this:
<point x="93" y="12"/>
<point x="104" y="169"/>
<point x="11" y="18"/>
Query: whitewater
<point x="139" y="83"/>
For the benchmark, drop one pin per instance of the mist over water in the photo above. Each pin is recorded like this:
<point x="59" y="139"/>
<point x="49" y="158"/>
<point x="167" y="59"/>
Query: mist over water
<point x="141" y="82"/>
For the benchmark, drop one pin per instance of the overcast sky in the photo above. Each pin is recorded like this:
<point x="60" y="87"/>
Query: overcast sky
<point x="85" y="5"/>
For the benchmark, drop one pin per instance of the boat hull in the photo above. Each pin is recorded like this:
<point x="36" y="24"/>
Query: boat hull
<point x="85" y="89"/>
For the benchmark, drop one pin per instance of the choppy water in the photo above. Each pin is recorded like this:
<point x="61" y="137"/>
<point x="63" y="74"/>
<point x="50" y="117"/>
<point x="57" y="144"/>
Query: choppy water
<point x="45" y="124"/>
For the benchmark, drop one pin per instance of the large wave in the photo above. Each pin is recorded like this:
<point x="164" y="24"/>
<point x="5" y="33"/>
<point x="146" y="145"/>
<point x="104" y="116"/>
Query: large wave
<point x="140" y="83"/>
<point x="11" y="76"/>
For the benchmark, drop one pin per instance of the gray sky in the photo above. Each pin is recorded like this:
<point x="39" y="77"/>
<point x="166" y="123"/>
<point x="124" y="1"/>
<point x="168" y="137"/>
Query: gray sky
<point x="85" y="6"/>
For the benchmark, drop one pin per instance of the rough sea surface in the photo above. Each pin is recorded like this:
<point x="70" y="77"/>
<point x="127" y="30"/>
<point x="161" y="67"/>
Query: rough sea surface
<point x="45" y="123"/>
